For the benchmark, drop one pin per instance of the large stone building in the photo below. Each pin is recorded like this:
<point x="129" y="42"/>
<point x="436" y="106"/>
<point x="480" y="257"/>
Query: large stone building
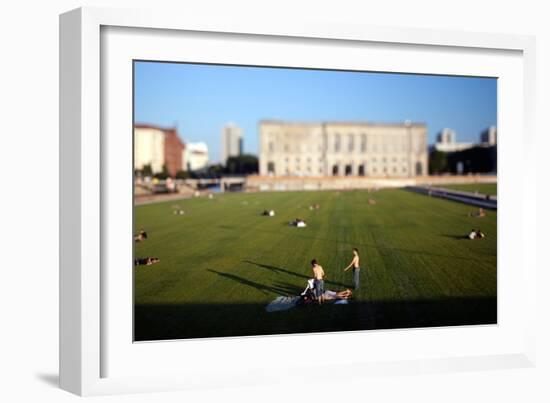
<point x="158" y="147"/>
<point x="343" y="149"/>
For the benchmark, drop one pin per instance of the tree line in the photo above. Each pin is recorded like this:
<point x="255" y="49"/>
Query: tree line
<point x="480" y="160"/>
<point x="245" y="164"/>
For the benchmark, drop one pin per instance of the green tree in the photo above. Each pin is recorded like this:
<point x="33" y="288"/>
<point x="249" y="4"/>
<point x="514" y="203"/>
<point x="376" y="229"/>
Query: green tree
<point x="438" y="162"/>
<point x="147" y="170"/>
<point x="182" y="175"/>
<point x="164" y="174"/>
<point x="242" y="165"/>
<point x="474" y="160"/>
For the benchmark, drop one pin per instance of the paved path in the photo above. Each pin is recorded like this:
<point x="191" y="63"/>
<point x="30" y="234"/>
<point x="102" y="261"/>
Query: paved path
<point x="148" y="199"/>
<point x="474" y="199"/>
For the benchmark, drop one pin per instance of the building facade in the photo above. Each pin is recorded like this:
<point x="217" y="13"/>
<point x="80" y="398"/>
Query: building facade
<point x="173" y="150"/>
<point x="342" y="149"/>
<point x="158" y="147"/>
<point x="148" y="147"/>
<point x="232" y="142"/>
<point x="196" y="156"/>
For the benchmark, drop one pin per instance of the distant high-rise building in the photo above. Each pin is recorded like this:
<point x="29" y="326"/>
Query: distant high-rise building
<point x="232" y="142"/>
<point x="489" y="136"/>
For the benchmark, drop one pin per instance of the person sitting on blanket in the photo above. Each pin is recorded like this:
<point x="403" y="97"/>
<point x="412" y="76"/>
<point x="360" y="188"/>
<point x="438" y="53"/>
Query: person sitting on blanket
<point x="308" y="295"/>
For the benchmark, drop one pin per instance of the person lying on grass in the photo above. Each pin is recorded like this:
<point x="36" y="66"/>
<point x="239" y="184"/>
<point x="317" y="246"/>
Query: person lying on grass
<point x="330" y="295"/>
<point x="298" y="222"/>
<point x="142" y="236"/>
<point x="476" y="234"/>
<point x="308" y="295"/>
<point x="480" y="213"/>
<point x="146" y="261"/>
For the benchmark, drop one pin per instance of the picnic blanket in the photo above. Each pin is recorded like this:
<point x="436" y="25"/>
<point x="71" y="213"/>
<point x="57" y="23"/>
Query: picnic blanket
<point x="282" y="303"/>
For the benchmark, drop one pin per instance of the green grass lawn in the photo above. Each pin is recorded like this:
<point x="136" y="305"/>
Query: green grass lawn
<point x="222" y="263"/>
<point x="485" y="188"/>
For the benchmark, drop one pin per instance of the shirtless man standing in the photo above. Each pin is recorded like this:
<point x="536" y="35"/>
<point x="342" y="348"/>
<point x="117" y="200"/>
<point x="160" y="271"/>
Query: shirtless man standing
<point x="355" y="264"/>
<point x="318" y="282"/>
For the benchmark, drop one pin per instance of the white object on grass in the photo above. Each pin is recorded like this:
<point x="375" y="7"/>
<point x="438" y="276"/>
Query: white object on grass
<point x="282" y="303"/>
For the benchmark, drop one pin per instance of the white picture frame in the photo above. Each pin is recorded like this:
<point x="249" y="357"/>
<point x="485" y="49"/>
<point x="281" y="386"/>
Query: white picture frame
<point x="87" y="343"/>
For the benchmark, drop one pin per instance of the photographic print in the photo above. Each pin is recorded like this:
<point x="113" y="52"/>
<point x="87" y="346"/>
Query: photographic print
<point x="274" y="200"/>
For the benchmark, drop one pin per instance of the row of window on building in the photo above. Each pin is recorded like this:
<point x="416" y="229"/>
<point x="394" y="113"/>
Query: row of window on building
<point x="347" y="170"/>
<point x="386" y="148"/>
<point x="320" y="159"/>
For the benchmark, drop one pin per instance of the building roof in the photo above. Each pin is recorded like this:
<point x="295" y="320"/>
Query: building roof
<point x="150" y="126"/>
<point x="200" y="147"/>
<point x="341" y="123"/>
<point x="173" y="131"/>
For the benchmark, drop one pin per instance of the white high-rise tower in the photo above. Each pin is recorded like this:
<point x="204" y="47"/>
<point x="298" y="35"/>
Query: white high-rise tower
<point x="232" y="141"/>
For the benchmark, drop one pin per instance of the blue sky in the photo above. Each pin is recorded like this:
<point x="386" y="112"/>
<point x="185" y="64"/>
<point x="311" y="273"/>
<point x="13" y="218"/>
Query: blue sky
<point x="201" y="99"/>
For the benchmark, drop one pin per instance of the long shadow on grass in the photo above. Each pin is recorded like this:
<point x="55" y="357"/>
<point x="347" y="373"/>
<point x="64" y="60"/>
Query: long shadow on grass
<point x="457" y="237"/>
<point x="276" y="269"/>
<point x="382" y="249"/>
<point x="185" y="321"/>
<point x="277" y="289"/>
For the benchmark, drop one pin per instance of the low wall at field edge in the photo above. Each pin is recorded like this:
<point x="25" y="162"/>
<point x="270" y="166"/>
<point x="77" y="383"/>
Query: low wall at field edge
<point x="267" y="183"/>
